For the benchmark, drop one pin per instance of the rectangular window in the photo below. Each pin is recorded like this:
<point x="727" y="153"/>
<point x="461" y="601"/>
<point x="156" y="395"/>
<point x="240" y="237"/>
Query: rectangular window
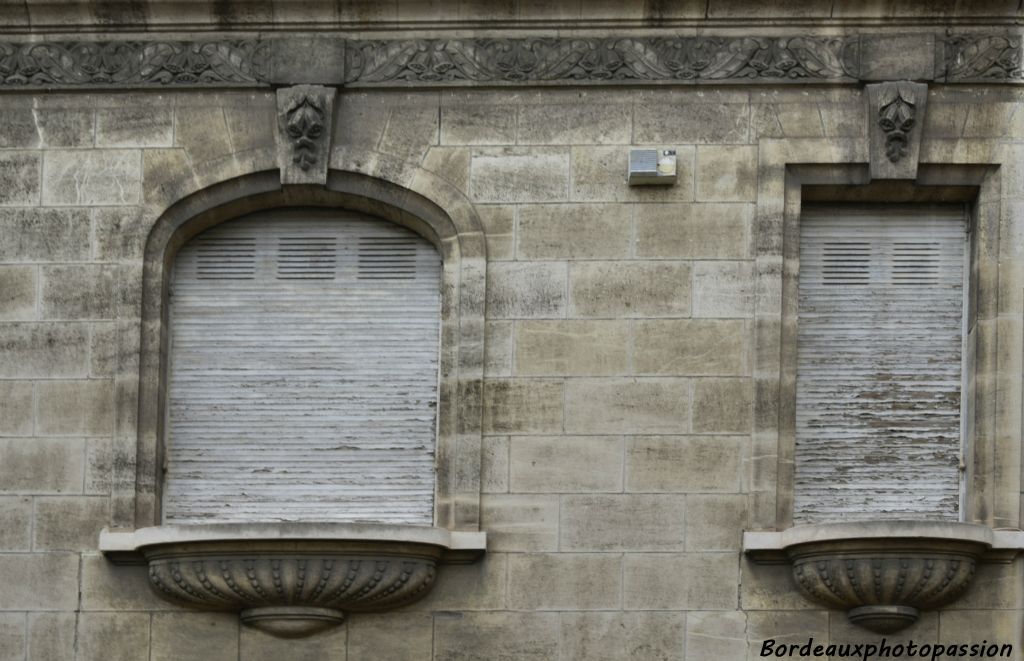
<point x="879" y="364"/>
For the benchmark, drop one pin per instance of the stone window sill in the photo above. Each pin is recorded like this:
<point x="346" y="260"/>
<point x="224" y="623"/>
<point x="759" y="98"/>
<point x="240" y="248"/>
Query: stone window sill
<point x="883" y="573"/>
<point x="292" y="579"/>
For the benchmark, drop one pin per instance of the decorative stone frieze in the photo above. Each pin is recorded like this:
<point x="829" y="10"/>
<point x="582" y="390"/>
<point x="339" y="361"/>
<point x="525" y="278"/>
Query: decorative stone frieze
<point x="894" y="110"/>
<point x="989" y="58"/>
<point x="304" y="133"/>
<point x="292" y="580"/>
<point x="602" y="59"/>
<point x="883" y="573"/>
<point x="335" y="60"/>
<point x="133" y="63"/>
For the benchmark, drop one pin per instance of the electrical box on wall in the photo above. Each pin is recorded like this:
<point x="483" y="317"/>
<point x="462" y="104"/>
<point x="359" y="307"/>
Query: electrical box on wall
<point x="652" y="167"/>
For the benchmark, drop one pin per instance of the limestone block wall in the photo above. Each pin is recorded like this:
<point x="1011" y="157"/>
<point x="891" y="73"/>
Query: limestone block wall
<point x="619" y="394"/>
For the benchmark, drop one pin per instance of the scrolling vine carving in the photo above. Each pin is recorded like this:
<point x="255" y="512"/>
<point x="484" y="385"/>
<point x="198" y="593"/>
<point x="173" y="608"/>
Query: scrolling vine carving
<point x="133" y="63"/>
<point x="601" y="59"/>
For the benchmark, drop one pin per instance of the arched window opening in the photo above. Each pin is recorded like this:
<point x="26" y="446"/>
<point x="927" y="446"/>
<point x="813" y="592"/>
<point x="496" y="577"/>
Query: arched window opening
<point x="303" y="372"/>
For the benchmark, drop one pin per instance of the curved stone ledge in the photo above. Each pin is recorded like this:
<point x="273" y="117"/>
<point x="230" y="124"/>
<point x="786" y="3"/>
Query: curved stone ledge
<point x="883" y="573"/>
<point x="292" y="579"/>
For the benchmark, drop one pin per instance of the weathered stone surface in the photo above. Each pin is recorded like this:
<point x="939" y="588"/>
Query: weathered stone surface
<point x="83" y="408"/>
<point x="580" y="123"/>
<point x="627" y="406"/>
<point x="564" y="581"/>
<point x="18" y="285"/>
<point x="674" y="464"/>
<point x="12" y="636"/>
<point x="630" y="522"/>
<point x="452" y="165"/>
<point x="15" y="523"/>
<point x="47" y="350"/>
<point x="499" y="227"/>
<point x="999" y="627"/>
<point x="202" y="132"/>
<point x="477" y="586"/>
<point x="629" y="289"/>
<point x="516" y="174"/>
<point x="16" y="414"/>
<point x="110" y="587"/>
<point x="785" y="628"/>
<point x="565" y="464"/>
<point x="485" y="124"/>
<point x="472" y="636"/>
<point x="113" y="636"/>
<point x="520" y="523"/>
<point x="715" y="635"/>
<point x="494" y="464"/>
<point x="715" y="522"/>
<point x="85" y="291"/>
<point x="723" y="289"/>
<point x="722" y="405"/>
<point x="70" y="523"/>
<point x="897" y="57"/>
<point x="40" y="581"/>
<point x="571" y="347"/>
<point x="31" y="235"/>
<point x="694" y="231"/>
<point x="498" y="347"/>
<point x="92" y="177"/>
<point x="656" y="121"/>
<point x="209" y="636"/>
<point x="30" y="128"/>
<point x="522" y="406"/>
<point x="616" y="636"/>
<point x="135" y="126"/>
<point x="726" y="173"/>
<point x="20" y="172"/>
<point x="692" y="347"/>
<point x="51" y="636"/>
<point x="41" y="465"/>
<point x="373" y="636"/>
<point x="682" y="581"/>
<point x="525" y="290"/>
<point x="330" y="645"/>
<point x="573" y="231"/>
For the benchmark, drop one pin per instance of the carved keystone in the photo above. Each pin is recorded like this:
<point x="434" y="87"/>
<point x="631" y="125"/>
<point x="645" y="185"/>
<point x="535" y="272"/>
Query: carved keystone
<point x="304" y="119"/>
<point x="895" y="115"/>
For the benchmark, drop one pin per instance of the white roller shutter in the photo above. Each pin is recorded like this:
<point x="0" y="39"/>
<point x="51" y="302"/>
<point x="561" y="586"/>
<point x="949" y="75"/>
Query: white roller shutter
<point x="303" y="372"/>
<point x="880" y="336"/>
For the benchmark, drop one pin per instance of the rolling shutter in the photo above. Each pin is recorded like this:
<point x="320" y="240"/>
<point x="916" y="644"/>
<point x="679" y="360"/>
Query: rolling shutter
<point x="880" y="336"/>
<point x="303" y="372"/>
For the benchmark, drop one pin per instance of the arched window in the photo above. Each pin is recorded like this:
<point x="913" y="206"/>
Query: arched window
<point x="303" y="371"/>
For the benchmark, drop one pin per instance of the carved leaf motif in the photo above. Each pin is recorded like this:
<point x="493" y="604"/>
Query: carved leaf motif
<point x="990" y="56"/>
<point x="818" y="58"/>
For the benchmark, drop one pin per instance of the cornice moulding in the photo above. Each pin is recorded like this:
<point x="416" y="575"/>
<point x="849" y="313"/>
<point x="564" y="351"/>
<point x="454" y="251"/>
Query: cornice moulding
<point x="263" y="61"/>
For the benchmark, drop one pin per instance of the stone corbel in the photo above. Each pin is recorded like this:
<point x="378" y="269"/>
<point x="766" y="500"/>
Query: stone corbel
<point x="304" y="118"/>
<point x="895" y="114"/>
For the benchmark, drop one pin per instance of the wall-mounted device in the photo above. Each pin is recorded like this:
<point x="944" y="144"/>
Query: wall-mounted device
<point x="649" y="167"/>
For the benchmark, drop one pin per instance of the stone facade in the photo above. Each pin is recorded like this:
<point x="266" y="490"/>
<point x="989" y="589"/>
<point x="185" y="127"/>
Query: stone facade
<point x="620" y="405"/>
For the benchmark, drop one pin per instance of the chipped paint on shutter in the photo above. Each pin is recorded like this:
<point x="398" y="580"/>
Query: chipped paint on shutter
<point x="304" y="371"/>
<point x="879" y="364"/>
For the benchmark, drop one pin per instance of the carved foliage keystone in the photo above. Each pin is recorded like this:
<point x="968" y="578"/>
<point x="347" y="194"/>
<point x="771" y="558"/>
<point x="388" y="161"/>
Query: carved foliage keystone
<point x="305" y="115"/>
<point x="895" y="109"/>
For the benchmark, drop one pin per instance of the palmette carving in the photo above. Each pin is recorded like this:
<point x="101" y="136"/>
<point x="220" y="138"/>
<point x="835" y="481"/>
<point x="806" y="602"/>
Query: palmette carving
<point x="133" y="63"/>
<point x="896" y="117"/>
<point x="598" y="59"/>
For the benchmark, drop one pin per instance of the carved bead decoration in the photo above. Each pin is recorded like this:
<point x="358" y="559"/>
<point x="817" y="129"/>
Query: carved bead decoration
<point x="884" y="582"/>
<point x="263" y="579"/>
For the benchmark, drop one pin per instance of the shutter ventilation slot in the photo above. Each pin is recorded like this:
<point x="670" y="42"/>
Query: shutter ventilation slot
<point x="306" y="258"/>
<point x="386" y="258"/>
<point x="846" y="263"/>
<point x="226" y="259"/>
